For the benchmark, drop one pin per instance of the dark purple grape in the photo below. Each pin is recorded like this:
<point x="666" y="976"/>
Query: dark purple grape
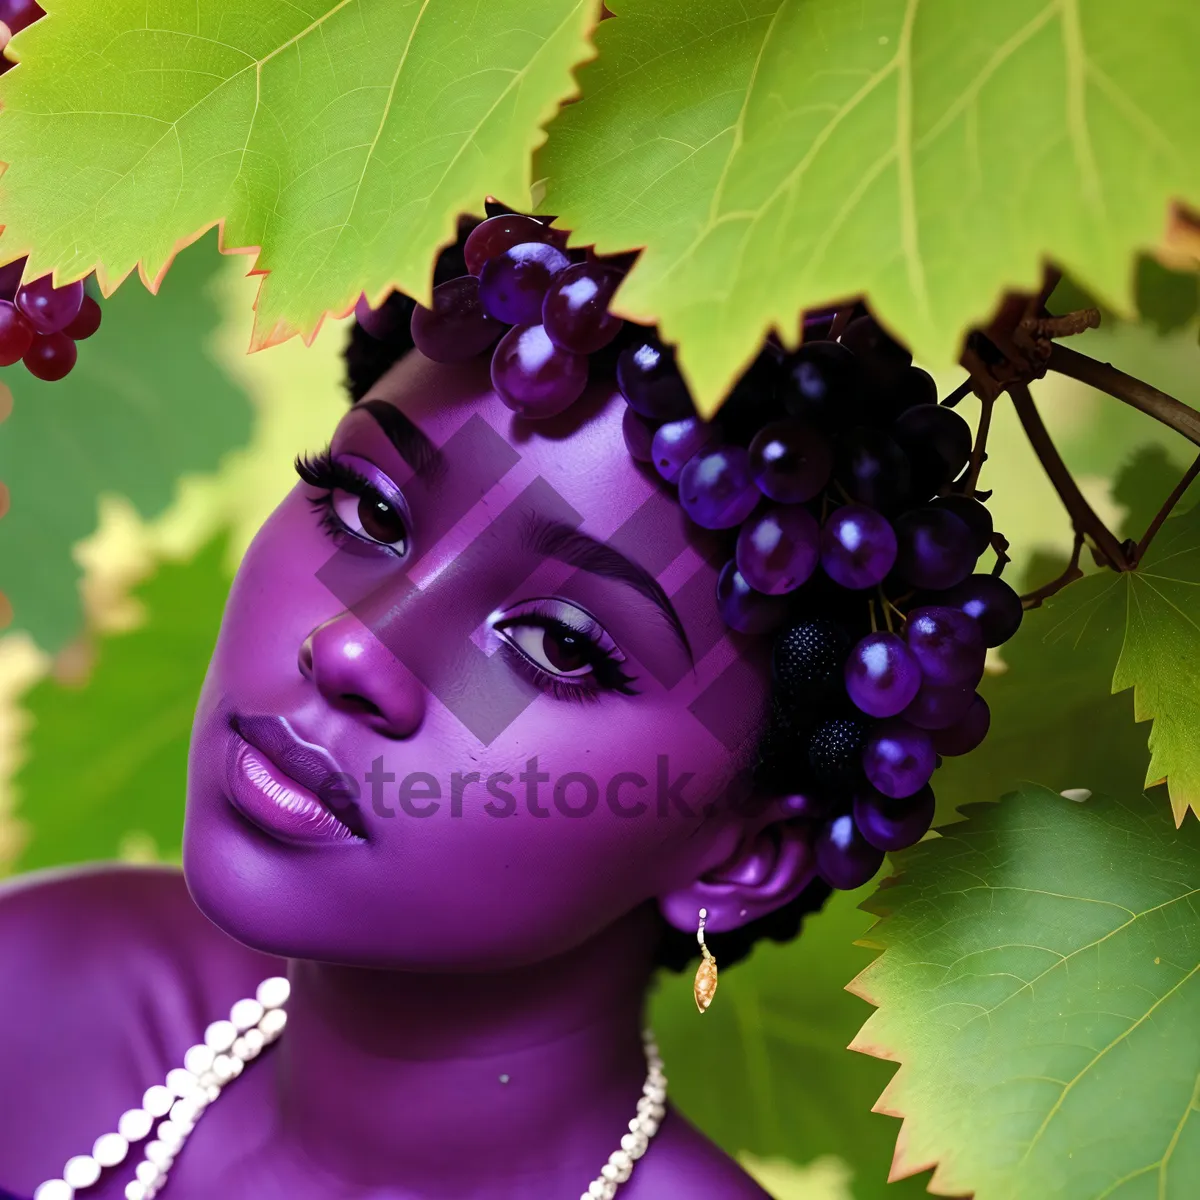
<point x="935" y="548"/>
<point x="678" y="441"/>
<point x="495" y="235"/>
<point x="807" y="661"/>
<point x="912" y="387"/>
<point x="938" y="443"/>
<point x="456" y="327"/>
<point x="835" y="751"/>
<point x="822" y="385"/>
<point x="47" y="308"/>
<point x="948" y="645"/>
<point x="778" y="549"/>
<point x="10" y="278"/>
<point x="966" y="733"/>
<point x="936" y="706"/>
<point x="858" y="547"/>
<point x="898" y="758"/>
<point x="752" y="401"/>
<point x="882" y="676"/>
<point x="17" y="14"/>
<point x="743" y="608"/>
<point x="716" y="488"/>
<point x="513" y="285"/>
<point x="809" y="805"/>
<point x="872" y="469"/>
<point x="880" y="357"/>
<point x="791" y="461"/>
<point x="50" y="356"/>
<point x="651" y="383"/>
<point x="973" y="514"/>
<point x="639" y="436"/>
<point x="845" y="859"/>
<point x="991" y="602"/>
<point x="86" y="323"/>
<point x="16" y="334"/>
<point x="890" y="824"/>
<point x="575" y="310"/>
<point x="382" y="322"/>
<point x="533" y="376"/>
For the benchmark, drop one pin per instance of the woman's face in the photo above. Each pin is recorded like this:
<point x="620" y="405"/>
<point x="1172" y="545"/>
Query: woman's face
<point x="471" y="700"/>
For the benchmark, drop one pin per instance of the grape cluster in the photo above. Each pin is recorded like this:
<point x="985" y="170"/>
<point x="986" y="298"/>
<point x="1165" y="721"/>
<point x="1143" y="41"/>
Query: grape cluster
<point x="40" y="324"/>
<point x="846" y="494"/>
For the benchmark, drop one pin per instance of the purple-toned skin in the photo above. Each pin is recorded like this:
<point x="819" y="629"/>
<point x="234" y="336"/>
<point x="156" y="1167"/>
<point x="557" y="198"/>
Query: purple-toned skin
<point x="467" y="991"/>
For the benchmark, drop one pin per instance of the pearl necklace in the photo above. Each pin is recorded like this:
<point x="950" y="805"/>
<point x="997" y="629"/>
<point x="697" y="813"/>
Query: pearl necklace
<point x="228" y="1046"/>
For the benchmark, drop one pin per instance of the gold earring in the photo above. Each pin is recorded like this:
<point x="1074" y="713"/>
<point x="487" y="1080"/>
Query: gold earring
<point x="705" y="986"/>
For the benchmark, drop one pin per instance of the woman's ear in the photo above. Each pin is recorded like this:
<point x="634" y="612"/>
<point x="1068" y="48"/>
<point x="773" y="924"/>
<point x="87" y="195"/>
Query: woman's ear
<point x="771" y="864"/>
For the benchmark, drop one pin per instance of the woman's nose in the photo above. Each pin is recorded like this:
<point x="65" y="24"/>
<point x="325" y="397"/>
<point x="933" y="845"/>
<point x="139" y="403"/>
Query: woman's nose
<point x="358" y="674"/>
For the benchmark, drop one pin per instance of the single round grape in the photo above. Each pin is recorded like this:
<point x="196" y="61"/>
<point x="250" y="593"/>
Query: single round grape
<point x="938" y="444"/>
<point x="745" y="609"/>
<point x="47" y="308"/>
<point x="382" y="322"/>
<point x="807" y="661"/>
<point x="966" y="733"/>
<point x="50" y="356"/>
<point x="639" y="436"/>
<point x="87" y="322"/>
<point x="10" y="277"/>
<point x="777" y="550"/>
<point x="822" y="385"/>
<point x="835" y="751"/>
<point x="858" y="547"/>
<point x="872" y="469"/>
<point x="948" y="645"/>
<point x="882" y="676"/>
<point x="513" y="285"/>
<point x="880" y="357"/>
<point x="492" y="237"/>
<point x="912" y="387"/>
<point x="935" y="548"/>
<point x="890" y="824"/>
<point x="676" y="442"/>
<point x="16" y="334"/>
<point x="575" y="310"/>
<point x="991" y="602"/>
<point x="533" y="376"/>
<point x="973" y="514"/>
<point x="651" y="383"/>
<point x="898" y="758"/>
<point x="716" y="488"/>
<point x="791" y="461"/>
<point x="845" y="859"/>
<point x="937" y="706"/>
<point x="17" y="14"/>
<point x="456" y="327"/>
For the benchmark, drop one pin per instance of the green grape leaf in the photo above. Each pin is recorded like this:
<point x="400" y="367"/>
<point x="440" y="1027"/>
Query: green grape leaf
<point x="1153" y="616"/>
<point x="1168" y="299"/>
<point x="765" y="1073"/>
<point x="773" y="157"/>
<point x="144" y="404"/>
<point x="1040" y="987"/>
<point x="340" y="140"/>
<point x="109" y="760"/>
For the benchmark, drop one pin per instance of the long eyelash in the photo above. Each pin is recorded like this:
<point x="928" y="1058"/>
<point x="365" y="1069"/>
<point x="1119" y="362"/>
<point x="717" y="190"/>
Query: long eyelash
<point x="609" y="677"/>
<point x="325" y="472"/>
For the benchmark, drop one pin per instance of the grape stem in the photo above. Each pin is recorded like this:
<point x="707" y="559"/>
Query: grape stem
<point x="1106" y="378"/>
<point x="1035" y="598"/>
<point x="1083" y="517"/>
<point x="977" y="450"/>
<point x="1164" y="512"/>
<point x="960" y="393"/>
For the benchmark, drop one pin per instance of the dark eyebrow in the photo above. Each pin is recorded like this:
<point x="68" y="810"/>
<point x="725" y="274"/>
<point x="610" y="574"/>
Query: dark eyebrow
<point x="411" y="444"/>
<point x="557" y="540"/>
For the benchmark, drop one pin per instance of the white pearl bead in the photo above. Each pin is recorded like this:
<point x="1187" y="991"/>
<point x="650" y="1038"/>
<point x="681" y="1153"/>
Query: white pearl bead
<point x="158" y="1100"/>
<point x="135" y="1190"/>
<point x="149" y="1173"/>
<point x="271" y="1026"/>
<point x="55" y="1189"/>
<point x="160" y="1154"/>
<point x="245" y="1014"/>
<point x="255" y="1040"/>
<point x="241" y="1050"/>
<point x="110" y="1149"/>
<point x="199" y="1059"/>
<point x="648" y="1126"/>
<point x="81" y="1171"/>
<point x="621" y="1160"/>
<point x="635" y="1143"/>
<point x="171" y="1136"/>
<point x="656" y="1093"/>
<point x="220" y="1035"/>
<point x="213" y="1092"/>
<point x="181" y="1081"/>
<point x="134" y="1124"/>
<point x="274" y="992"/>
<point x="184" y="1112"/>
<point x="223" y="1067"/>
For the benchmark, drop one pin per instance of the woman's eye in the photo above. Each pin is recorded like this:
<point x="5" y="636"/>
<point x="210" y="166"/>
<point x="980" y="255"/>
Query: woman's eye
<point x="562" y="651"/>
<point x="370" y="516"/>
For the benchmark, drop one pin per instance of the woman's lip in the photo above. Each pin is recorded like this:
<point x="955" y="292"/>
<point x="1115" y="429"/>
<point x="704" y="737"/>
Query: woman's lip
<point x="277" y="804"/>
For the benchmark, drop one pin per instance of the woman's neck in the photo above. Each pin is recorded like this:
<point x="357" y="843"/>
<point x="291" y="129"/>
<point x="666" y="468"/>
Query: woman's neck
<point x="456" y="1084"/>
